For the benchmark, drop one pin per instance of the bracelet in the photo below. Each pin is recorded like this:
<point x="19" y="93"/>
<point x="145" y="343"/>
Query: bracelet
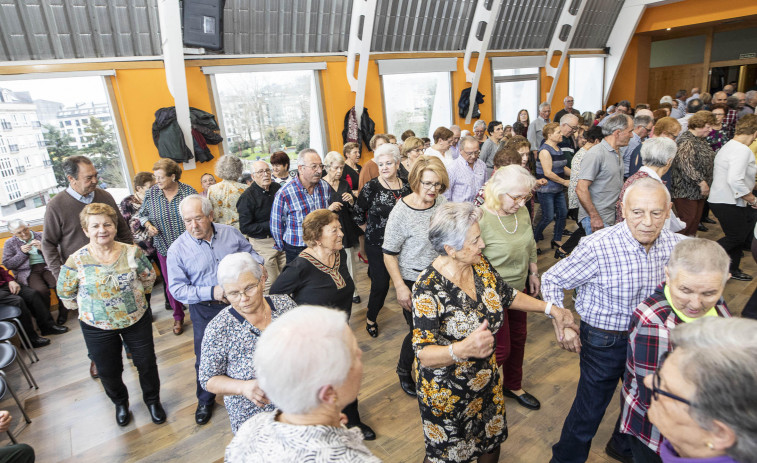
<point x="753" y="203"/>
<point x="455" y="358"/>
<point x="535" y="274"/>
<point x="548" y="310"/>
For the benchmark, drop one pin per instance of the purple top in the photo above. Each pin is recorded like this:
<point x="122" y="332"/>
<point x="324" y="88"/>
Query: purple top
<point x="669" y="455"/>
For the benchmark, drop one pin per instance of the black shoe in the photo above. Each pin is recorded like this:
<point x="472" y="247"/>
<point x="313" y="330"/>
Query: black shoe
<point x="708" y="220"/>
<point x="538" y="251"/>
<point x="203" y="413"/>
<point x="702" y="228"/>
<point x="123" y="416"/>
<point x="560" y="254"/>
<point x="62" y="315"/>
<point x="53" y="330"/>
<point x="39" y="342"/>
<point x="372" y="329"/>
<point x="368" y="433"/>
<point x="567" y="232"/>
<point x="554" y="244"/>
<point x="157" y="413"/>
<point x="616" y="455"/>
<point x="525" y="399"/>
<point x="407" y="384"/>
<point x="356" y="300"/>
<point x="740" y="276"/>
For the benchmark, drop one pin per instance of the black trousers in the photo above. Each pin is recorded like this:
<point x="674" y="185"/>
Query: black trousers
<point x="292" y="252"/>
<point x="738" y="224"/>
<point x="407" y="355"/>
<point x="104" y="347"/>
<point x="17" y="453"/>
<point x="750" y="309"/>
<point x="201" y="315"/>
<point x="379" y="280"/>
<point x="31" y="304"/>
<point x="641" y="453"/>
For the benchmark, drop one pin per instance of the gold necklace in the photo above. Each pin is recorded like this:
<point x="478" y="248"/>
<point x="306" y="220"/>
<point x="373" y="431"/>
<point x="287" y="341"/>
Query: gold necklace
<point x="503" y="225"/>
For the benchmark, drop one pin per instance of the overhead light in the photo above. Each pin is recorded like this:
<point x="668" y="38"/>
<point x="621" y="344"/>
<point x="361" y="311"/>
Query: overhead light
<point x="667" y="29"/>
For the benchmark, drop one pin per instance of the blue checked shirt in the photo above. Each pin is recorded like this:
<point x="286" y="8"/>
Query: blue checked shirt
<point x="613" y="274"/>
<point x="290" y="206"/>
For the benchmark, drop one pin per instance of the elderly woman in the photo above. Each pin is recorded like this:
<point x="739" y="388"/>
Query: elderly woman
<point x="459" y="301"/>
<point x="280" y="167"/>
<point x="161" y="217"/>
<point x="410" y="150"/>
<point x="703" y="395"/>
<point x="225" y="194"/>
<point x="22" y="254"/>
<point x="319" y="276"/>
<point x="206" y="181"/>
<point x="341" y="201"/>
<point x="692" y="171"/>
<point x="520" y="127"/>
<point x="510" y="248"/>
<point x="695" y="278"/>
<point x="309" y="389"/>
<point x="351" y="173"/>
<point x="371" y="212"/>
<point x="731" y="198"/>
<point x="552" y="165"/>
<point x="407" y="249"/>
<point x="107" y="281"/>
<point x="718" y="136"/>
<point x="231" y="337"/>
<point x="491" y="146"/>
<point x="479" y="132"/>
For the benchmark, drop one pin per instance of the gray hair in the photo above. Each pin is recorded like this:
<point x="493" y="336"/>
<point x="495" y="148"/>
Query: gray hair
<point x="750" y="95"/>
<point x="467" y="139"/>
<point x="480" y="123"/>
<point x="719" y="356"/>
<point x="229" y="167"/>
<point x="698" y="255"/>
<point x="236" y="264"/>
<point x="646" y="183"/>
<point x="71" y="165"/>
<point x="567" y="117"/>
<point x="616" y="122"/>
<point x="301" y="155"/>
<point x="642" y="120"/>
<point x="504" y="181"/>
<point x="207" y="207"/>
<point x="544" y="105"/>
<point x="666" y="99"/>
<point x="333" y="157"/>
<point x="15" y="224"/>
<point x="387" y="149"/>
<point x="565" y="100"/>
<point x="657" y="152"/>
<point x="449" y="225"/>
<point x="302" y="351"/>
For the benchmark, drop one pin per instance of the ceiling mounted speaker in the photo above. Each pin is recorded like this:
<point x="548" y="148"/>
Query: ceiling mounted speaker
<point x="203" y="23"/>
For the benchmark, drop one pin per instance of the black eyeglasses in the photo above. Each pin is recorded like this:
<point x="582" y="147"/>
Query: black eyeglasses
<point x="656" y="391"/>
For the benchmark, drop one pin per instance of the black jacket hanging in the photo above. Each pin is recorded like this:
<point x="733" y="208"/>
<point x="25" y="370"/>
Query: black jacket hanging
<point x="464" y="102"/>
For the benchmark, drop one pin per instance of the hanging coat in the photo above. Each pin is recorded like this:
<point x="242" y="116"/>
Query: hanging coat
<point x="358" y="134"/>
<point x="464" y="102"/>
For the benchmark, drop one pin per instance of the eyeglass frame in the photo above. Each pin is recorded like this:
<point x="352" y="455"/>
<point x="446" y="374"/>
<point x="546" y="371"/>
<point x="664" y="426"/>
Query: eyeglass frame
<point x="656" y="381"/>
<point x="520" y="198"/>
<point x="249" y="291"/>
<point x="431" y="185"/>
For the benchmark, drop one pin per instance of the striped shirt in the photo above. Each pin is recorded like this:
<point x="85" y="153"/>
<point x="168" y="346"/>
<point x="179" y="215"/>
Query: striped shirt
<point x="291" y="205"/>
<point x="164" y="215"/>
<point x="613" y="273"/>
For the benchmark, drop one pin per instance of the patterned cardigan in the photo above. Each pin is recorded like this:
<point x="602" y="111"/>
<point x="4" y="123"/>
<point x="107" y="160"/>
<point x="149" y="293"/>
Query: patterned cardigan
<point x="18" y="261"/>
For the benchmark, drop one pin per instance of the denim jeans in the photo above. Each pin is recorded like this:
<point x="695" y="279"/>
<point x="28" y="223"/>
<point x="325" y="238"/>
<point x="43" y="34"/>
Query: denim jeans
<point x="292" y="252"/>
<point x="602" y="362"/>
<point x="553" y="206"/>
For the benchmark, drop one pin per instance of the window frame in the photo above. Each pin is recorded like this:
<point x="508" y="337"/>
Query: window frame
<point x="519" y="78"/>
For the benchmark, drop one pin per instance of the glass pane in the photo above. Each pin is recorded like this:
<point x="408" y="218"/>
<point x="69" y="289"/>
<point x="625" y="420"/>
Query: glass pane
<point x="44" y="121"/>
<point x="265" y="112"/>
<point x="511" y="97"/>
<point x="419" y="102"/>
<point x="515" y="72"/>
<point x="585" y="84"/>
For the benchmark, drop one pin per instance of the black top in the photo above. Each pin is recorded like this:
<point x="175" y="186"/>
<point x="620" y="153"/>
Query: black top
<point x="350" y="230"/>
<point x="403" y="173"/>
<point x="353" y="176"/>
<point x="307" y="281"/>
<point x="373" y="205"/>
<point x="563" y="112"/>
<point x="521" y="129"/>
<point x="568" y="148"/>
<point x="254" y="207"/>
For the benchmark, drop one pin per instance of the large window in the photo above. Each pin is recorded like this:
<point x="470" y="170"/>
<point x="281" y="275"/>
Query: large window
<point x="419" y="102"/>
<point x="34" y="112"/>
<point x="586" y="82"/>
<point x="262" y="112"/>
<point x="515" y="89"/>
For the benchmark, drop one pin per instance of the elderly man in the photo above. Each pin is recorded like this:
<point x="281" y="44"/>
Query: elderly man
<point x="732" y="115"/>
<point x="601" y="175"/>
<point x="693" y="107"/>
<point x="453" y="152"/>
<point x="192" y="265"/>
<point x="719" y="98"/>
<point x="613" y="271"/>
<point x="467" y="173"/>
<point x="643" y="124"/>
<point x="535" y="135"/>
<point x="567" y="109"/>
<point x="254" y="207"/>
<point x="622" y="107"/>
<point x="694" y="94"/>
<point x="679" y="111"/>
<point x="302" y="195"/>
<point x="568" y="127"/>
<point x="63" y="234"/>
<point x="728" y="89"/>
<point x="741" y="108"/>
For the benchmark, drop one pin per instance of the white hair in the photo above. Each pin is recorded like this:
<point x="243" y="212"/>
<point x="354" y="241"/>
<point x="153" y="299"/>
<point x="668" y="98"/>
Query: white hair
<point x="299" y="353"/>
<point x="449" y="225"/>
<point x="567" y="117"/>
<point x="479" y="123"/>
<point x="666" y="99"/>
<point x="616" y="122"/>
<point x="387" y="149"/>
<point x="645" y="183"/>
<point x="333" y="157"/>
<point x="236" y="264"/>
<point x="205" y="204"/>
<point x="544" y="105"/>
<point x="698" y="255"/>
<point x="657" y="152"/>
<point x="15" y="224"/>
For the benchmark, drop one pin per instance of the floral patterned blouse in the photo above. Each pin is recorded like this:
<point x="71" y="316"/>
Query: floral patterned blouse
<point x="224" y="196"/>
<point x="694" y="162"/>
<point x="462" y="406"/>
<point x="574" y="170"/>
<point x="717" y="138"/>
<point x="108" y="297"/>
<point x="129" y="208"/>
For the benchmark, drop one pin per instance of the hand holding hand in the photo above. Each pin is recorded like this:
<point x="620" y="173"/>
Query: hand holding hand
<point x="479" y="344"/>
<point x="571" y="341"/>
<point x="252" y="391"/>
<point x="563" y="318"/>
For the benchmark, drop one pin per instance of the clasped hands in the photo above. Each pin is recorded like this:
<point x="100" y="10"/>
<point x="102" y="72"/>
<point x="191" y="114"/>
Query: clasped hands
<point x="566" y="330"/>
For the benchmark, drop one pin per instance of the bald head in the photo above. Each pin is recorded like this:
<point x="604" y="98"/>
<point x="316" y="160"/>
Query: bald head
<point x="719" y="98"/>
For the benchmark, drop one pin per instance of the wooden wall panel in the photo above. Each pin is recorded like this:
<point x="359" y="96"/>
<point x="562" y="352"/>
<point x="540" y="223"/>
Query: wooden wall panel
<point x="667" y="80"/>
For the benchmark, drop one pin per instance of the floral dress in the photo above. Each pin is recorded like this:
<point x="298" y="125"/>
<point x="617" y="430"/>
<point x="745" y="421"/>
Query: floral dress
<point x="462" y="406"/>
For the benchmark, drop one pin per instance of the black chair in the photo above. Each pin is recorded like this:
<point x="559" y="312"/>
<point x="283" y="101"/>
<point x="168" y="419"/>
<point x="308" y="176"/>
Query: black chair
<point x="5" y="387"/>
<point x="10" y="312"/>
<point x="8" y="331"/>
<point x="8" y="355"/>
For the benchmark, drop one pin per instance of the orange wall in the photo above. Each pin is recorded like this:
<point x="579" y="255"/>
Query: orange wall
<point x="561" y="90"/>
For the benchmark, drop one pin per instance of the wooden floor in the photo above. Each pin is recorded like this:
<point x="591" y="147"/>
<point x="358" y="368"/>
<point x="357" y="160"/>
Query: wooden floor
<point x="72" y="419"/>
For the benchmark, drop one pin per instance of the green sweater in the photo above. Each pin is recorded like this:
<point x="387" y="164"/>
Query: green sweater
<point x="509" y="254"/>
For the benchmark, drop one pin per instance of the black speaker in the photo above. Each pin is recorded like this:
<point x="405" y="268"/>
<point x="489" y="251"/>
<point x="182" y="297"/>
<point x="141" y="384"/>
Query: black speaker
<point x="203" y="23"/>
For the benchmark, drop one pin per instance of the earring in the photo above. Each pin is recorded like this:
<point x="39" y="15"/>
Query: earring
<point x="710" y="445"/>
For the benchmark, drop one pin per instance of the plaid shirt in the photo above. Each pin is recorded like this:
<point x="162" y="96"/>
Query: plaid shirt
<point x="651" y="323"/>
<point x="164" y="215"/>
<point x="613" y="272"/>
<point x="290" y="206"/>
<point x="729" y="122"/>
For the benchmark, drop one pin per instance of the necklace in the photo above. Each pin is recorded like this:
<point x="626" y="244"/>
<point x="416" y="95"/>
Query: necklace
<point x="505" y="228"/>
<point x="391" y="190"/>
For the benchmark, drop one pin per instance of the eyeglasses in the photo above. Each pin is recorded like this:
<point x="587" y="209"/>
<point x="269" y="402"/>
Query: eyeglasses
<point x="315" y="166"/>
<point x="520" y="198"/>
<point x="657" y="392"/>
<point x="262" y="171"/>
<point x="718" y="114"/>
<point x="572" y="128"/>
<point x="431" y="185"/>
<point x="248" y="291"/>
<point x="472" y="153"/>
